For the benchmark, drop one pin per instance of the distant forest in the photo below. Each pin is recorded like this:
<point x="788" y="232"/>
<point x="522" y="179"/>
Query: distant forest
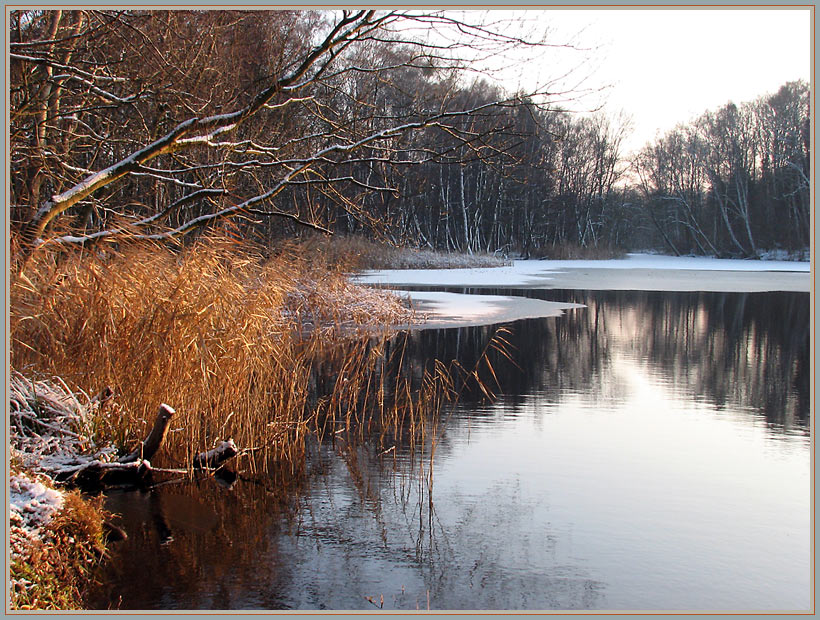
<point x="157" y="124"/>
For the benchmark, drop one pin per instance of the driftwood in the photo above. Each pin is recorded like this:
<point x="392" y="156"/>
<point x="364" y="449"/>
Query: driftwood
<point x="95" y="475"/>
<point x="213" y="458"/>
<point x="148" y="448"/>
<point x="131" y="470"/>
<point x="135" y="469"/>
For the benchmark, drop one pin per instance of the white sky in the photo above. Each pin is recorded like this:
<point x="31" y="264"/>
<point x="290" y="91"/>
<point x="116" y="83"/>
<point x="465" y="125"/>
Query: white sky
<point x="666" y="66"/>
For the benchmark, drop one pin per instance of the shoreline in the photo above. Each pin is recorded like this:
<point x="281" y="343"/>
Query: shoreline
<point x="452" y="310"/>
<point x="637" y="272"/>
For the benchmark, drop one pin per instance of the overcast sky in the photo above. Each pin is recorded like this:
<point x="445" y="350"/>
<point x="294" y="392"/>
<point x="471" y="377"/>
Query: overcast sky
<point x="667" y="66"/>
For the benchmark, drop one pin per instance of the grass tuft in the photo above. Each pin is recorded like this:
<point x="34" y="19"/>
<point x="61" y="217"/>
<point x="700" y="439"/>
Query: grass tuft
<point x="55" y="571"/>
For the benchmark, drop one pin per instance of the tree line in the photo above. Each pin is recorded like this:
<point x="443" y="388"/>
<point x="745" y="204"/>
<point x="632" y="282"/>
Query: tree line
<point x="162" y="124"/>
<point x="735" y="180"/>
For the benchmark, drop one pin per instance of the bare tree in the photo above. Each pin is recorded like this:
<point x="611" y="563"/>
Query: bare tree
<point x="735" y="180"/>
<point x="221" y="114"/>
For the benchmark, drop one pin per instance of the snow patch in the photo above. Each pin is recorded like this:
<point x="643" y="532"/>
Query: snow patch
<point x="32" y="504"/>
<point x="50" y="432"/>
<point x="520" y="273"/>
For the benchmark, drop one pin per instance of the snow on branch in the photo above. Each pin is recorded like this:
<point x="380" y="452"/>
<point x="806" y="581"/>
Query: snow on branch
<point x="328" y="139"/>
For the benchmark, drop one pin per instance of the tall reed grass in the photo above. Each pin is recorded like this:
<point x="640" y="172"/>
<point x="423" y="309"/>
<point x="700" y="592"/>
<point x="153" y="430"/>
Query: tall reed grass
<point x="232" y="339"/>
<point x="268" y="350"/>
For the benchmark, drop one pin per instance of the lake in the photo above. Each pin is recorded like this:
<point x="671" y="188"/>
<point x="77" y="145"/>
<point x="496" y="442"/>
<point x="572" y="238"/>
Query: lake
<point x="650" y="451"/>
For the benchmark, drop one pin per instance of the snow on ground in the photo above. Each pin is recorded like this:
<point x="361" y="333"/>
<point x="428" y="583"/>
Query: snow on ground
<point x="643" y="272"/>
<point x="520" y="273"/>
<point x="49" y="431"/>
<point x="701" y="263"/>
<point x="32" y="502"/>
<point x="31" y="506"/>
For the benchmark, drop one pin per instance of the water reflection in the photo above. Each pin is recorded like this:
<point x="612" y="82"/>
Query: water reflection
<point x="743" y="350"/>
<point x="648" y="452"/>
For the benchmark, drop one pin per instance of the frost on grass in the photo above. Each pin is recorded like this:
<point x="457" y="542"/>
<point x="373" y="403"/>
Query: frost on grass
<point x="336" y="305"/>
<point x="50" y="431"/>
<point x="421" y="258"/>
<point x="32" y="503"/>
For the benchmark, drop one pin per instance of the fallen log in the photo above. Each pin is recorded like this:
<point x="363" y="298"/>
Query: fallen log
<point x="95" y="475"/>
<point x="135" y="469"/>
<point x="212" y="458"/>
<point x="148" y="448"/>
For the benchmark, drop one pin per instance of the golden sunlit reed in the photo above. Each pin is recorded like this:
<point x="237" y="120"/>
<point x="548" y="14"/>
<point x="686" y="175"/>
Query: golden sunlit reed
<point x="235" y="341"/>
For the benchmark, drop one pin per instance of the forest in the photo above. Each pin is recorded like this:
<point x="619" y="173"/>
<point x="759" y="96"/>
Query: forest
<point x="161" y="124"/>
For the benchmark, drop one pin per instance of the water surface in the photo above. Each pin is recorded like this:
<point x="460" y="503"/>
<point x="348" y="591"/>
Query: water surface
<point x="648" y="452"/>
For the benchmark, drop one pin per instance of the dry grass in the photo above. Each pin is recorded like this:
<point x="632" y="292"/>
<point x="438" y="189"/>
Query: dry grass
<point x="571" y="251"/>
<point x="268" y="351"/>
<point x="224" y="335"/>
<point x="55" y="571"/>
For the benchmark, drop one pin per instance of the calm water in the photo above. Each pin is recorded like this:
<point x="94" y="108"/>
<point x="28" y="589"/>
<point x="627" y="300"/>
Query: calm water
<point x="650" y="452"/>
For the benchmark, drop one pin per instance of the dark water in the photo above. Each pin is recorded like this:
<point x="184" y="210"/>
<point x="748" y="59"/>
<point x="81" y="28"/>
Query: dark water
<point x="650" y="452"/>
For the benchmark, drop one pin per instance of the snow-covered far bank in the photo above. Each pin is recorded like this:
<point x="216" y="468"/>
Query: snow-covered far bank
<point x="640" y="272"/>
<point x="444" y="310"/>
<point x="635" y="272"/>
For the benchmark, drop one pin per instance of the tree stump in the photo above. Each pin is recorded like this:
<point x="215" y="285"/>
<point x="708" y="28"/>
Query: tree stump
<point x="149" y="447"/>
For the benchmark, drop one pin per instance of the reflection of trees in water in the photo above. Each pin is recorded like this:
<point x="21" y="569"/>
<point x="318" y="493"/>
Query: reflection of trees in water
<point x="745" y="350"/>
<point x="549" y="356"/>
<point x="199" y="545"/>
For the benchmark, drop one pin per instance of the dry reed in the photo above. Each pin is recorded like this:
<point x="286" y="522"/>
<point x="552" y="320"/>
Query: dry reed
<point x="268" y="351"/>
<point x="573" y="251"/>
<point x="225" y="335"/>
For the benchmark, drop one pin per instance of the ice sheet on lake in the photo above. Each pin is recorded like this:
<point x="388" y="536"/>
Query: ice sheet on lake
<point x="643" y="272"/>
<point x="458" y="310"/>
<point x="635" y="272"/>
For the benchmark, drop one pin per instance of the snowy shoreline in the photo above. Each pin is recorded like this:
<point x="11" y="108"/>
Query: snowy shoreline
<point x="639" y="272"/>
